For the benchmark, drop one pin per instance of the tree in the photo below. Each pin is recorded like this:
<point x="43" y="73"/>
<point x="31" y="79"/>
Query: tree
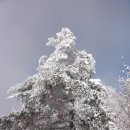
<point x="124" y="103"/>
<point x="121" y="100"/>
<point x="62" y="95"/>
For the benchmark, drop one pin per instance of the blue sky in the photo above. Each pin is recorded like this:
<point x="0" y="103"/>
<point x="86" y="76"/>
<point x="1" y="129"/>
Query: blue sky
<point x="102" y="28"/>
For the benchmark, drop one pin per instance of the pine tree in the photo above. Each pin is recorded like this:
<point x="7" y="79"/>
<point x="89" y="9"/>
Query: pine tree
<point x="62" y="95"/>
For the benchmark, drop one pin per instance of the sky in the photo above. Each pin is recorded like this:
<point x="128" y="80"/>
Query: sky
<point x="102" y="28"/>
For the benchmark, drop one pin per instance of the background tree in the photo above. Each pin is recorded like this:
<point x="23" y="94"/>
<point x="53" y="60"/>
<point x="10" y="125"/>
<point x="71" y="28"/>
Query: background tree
<point x="62" y="95"/>
<point x="120" y="100"/>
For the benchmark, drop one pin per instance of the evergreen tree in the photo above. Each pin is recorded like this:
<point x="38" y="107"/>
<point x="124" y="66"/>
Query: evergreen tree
<point x="62" y="95"/>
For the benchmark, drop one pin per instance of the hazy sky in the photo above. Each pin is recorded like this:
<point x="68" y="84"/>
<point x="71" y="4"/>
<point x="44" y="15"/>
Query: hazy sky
<point x="102" y="28"/>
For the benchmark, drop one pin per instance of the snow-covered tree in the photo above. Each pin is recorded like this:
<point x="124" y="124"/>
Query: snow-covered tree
<point x="114" y="101"/>
<point x="121" y="100"/>
<point x="62" y="95"/>
<point x="124" y="103"/>
<point x="124" y="99"/>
